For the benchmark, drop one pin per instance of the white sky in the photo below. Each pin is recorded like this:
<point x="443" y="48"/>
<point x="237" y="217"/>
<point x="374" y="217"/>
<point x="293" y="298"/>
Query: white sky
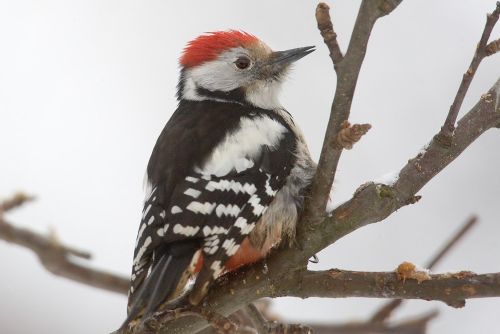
<point x="86" y="87"/>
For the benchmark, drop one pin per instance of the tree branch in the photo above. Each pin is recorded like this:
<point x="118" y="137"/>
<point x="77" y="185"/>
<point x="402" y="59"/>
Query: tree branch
<point x="385" y="311"/>
<point x="347" y="77"/>
<point x="57" y="258"/>
<point x="483" y="50"/>
<point x="452" y="289"/>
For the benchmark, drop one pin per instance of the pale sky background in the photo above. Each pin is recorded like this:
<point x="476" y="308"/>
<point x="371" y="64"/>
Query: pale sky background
<point x="87" y="86"/>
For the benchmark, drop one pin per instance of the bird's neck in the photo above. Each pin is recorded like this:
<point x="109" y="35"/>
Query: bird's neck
<point x="261" y="94"/>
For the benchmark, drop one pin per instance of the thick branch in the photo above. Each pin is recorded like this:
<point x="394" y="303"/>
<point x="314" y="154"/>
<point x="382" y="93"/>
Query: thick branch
<point x="56" y="258"/>
<point x="347" y="76"/>
<point x="482" y="50"/>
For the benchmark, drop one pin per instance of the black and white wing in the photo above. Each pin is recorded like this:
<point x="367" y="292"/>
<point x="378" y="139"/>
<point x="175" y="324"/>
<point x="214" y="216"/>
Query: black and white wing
<point x="211" y="201"/>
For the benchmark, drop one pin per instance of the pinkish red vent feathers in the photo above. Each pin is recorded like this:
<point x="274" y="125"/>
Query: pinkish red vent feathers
<point x="208" y="46"/>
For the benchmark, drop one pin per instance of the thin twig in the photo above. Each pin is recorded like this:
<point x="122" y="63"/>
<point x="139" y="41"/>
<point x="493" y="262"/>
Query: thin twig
<point x="481" y="51"/>
<point x="326" y="30"/>
<point x="471" y="222"/>
<point x="388" y="309"/>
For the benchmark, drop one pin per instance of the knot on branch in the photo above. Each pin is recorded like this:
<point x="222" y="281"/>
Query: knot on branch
<point x="493" y="47"/>
<point x="351" y="134"/>
<point x="408" y="270"/>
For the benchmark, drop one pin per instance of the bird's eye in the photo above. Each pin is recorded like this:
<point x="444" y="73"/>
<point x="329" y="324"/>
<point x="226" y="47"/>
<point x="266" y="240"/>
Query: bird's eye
<point x="242" y="63"/>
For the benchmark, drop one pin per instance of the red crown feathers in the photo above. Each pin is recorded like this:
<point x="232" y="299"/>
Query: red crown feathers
<point x="208" y="46"/>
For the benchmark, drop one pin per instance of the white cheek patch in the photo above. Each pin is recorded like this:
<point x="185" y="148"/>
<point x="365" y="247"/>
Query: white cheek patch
<point x="215" y="75"/>
<point x="240" y="148"/>
<point x="220" y="73"/>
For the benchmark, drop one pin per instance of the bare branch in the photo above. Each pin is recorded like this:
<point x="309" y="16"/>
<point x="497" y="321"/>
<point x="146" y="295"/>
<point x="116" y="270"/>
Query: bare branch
<point x="481" y="51"/>
<point x="452" y="289"/>
<point x="56" y="258"/>
<point x="471" y="222"/>
<point x="325" y="27"/>
<point x="385" y="311"/>
<point x="347" y="76"/>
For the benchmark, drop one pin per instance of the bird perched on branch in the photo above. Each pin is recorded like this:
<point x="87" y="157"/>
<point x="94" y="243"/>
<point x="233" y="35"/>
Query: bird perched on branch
<point x="227" y="175"/>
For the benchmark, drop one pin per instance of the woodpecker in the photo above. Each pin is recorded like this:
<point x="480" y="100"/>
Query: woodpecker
<point x="227" y="175"/>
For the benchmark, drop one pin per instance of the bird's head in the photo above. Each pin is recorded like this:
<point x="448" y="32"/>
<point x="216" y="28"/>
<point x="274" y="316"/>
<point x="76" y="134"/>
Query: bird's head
<point x="234" y="66"/>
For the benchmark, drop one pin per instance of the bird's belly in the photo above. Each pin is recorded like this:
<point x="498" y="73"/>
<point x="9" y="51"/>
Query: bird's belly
<point x="246" y="254"/>
<point x="277" y="223"/>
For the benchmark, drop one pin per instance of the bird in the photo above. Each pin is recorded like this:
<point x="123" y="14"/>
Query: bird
<point x="227" y="176"/>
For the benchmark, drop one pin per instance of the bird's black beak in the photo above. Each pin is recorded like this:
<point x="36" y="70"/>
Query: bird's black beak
<point x="278" y="61"/>
<point x="287" y="57"/>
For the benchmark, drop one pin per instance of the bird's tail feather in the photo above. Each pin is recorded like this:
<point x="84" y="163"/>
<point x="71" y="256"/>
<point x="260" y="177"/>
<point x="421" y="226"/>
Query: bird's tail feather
<point x="173" y="261"/>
